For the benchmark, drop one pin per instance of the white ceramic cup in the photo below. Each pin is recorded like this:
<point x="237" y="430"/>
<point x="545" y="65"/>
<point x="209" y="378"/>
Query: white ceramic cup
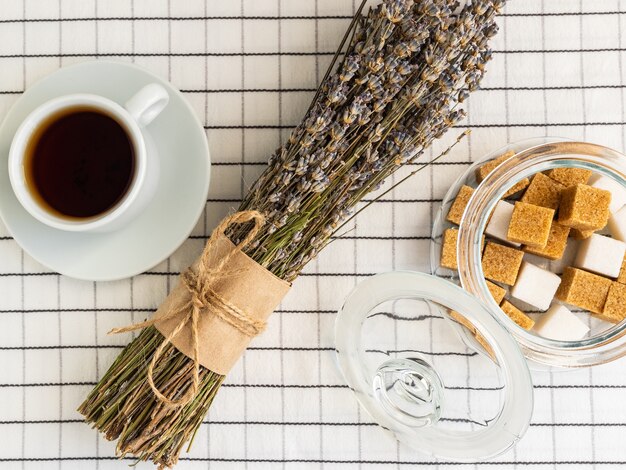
<point x="138" y="112"/>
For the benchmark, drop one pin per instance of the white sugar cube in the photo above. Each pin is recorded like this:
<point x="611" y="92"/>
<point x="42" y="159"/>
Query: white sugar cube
<point x="601" y="255"/>
<point x="535" y="286"/>
<point x="498" y="225"/>
<point x="560" y="324"/>
<point x="618" y="192"/>
<point x="617" y="224"/>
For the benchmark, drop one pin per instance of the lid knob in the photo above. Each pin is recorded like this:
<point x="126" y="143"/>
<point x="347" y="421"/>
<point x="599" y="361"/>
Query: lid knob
<point x="410" y="390"/>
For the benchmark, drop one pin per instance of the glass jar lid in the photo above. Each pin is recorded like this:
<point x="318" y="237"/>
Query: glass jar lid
<point x="401" y="341"/>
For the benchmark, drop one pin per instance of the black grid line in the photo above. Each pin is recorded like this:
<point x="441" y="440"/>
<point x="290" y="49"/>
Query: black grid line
<point x="272" y="18"/>
<point x="281" y="53"/>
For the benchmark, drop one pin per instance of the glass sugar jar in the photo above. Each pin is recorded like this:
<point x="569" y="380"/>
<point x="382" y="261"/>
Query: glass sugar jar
<point x="433" y="358"/>
<point x="604" y="341"/>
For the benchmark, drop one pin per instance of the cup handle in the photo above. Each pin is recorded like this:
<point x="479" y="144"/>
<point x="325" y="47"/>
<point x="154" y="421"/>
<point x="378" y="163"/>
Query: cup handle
<point x="147" y="103"/>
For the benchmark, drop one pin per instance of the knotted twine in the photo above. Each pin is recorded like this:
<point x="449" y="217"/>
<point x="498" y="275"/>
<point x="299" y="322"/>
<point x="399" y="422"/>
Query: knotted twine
<point x="198" y="281"/>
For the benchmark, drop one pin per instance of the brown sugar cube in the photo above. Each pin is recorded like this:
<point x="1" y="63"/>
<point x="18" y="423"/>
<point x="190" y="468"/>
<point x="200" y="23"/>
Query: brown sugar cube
<point x="622" y="272"/>
<point x="614" y="310"/>
<point x="448" y="249"/>
<point x="543" y="191"/>
<point x="581" y="234"/>
<point x="463" y="321"/>
<point x="583" y="289"/>
<point x="557" y="241"/>
<point x="517" y="315"/>
<point x="458" y="206"/>
<point x="517" y="187"/>
<point x="472" y="329"/>
<point x="483" y="170"/>
<point x="496" y="291"/>
<point x="501" y="263"/>
<point x="570" y="176"/>
<point x="530" y="225"/>
<point x="483" y="342"/>
<point x="584" y="208"/>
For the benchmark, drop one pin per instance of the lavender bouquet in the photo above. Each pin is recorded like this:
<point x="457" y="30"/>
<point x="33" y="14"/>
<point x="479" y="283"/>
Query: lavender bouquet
<point x="394" y="86"/>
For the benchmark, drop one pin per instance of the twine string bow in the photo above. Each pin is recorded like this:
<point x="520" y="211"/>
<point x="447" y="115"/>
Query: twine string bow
<point x="203" y="299"/>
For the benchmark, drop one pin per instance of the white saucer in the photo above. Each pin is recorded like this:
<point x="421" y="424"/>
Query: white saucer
<point x="166" y="222"/>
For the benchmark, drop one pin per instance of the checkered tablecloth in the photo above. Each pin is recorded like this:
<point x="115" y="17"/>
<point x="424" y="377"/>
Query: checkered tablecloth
<point x="249" y="69"/>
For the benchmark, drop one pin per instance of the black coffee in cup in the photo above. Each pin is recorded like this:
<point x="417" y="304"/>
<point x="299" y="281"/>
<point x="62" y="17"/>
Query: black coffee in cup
<point x="80" y="163"/>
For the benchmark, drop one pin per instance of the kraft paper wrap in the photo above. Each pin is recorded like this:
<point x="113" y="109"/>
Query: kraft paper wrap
<point x="244" y="284"/>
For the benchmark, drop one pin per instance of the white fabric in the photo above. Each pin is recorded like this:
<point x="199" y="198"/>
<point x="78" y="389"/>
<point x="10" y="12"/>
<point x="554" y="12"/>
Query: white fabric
<point x="555" y="72"/>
